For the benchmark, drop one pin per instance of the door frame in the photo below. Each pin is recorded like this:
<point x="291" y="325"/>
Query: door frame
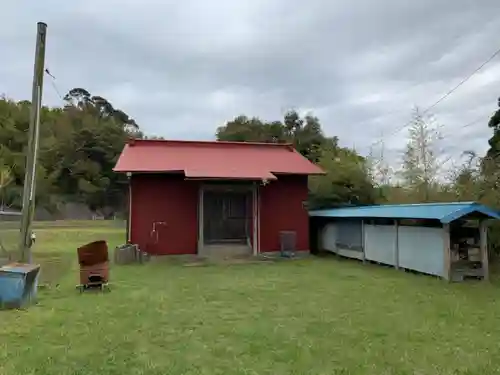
<point x="253" y="188"/>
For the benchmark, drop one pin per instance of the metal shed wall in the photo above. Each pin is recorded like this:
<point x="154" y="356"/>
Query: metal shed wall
<point x="328" y="237"/>
<point x="380" y="243"/>
<point x="415" y="248"/>
<point x="344" y="238"/>
<point x="421" y="249"/>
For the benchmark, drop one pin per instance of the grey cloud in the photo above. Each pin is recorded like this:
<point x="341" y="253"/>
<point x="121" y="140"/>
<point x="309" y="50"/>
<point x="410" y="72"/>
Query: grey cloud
<point x="184" y="68"/>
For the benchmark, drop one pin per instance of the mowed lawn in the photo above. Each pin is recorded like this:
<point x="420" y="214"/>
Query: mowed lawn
<point x="312" y="316"/>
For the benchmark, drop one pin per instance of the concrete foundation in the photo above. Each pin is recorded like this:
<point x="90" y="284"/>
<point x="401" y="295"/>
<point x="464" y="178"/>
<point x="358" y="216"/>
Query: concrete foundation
<point x="224" y="250"/>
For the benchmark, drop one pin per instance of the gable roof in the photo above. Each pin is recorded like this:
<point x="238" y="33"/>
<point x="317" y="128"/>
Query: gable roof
<point x="444" y="212"/>
<point x="217" y="160"/>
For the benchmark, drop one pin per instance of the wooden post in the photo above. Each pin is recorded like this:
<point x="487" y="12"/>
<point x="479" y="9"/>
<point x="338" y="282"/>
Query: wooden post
<point x="255" y="218"/>
<point x="29" y="186"/>
<point x="129" y="216"/>
<point x="396" y="245"/>
<point x="483" y="240"/>
<point x="257" y="191"/>
<point x="201" y="240"/>
<point x="447" y="253"/>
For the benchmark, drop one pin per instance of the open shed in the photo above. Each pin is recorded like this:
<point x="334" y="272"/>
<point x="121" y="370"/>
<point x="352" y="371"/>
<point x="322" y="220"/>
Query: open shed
<point x="443" y="239"/>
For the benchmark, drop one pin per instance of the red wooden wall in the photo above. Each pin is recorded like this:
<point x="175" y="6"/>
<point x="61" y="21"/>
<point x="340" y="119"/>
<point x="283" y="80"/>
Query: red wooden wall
<point x="174" y="201"/>
<point x="282" y="208"/>
<point x="164" y="198"/>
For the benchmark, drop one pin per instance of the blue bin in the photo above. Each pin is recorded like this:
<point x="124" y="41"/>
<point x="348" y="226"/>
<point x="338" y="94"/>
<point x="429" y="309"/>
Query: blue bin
<point x="18" y="284"/>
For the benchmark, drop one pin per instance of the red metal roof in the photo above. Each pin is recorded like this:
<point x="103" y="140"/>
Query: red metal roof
<point x="217" y="160"/>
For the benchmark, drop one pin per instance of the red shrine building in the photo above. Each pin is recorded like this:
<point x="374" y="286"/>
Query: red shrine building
<point x="191" y="197"/>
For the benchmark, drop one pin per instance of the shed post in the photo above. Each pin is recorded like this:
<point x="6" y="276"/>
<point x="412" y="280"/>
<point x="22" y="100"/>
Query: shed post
<point x="129" y="216"/>
<point x="258" y="191"/>
<point x="200" y="220"/>
<point x="396" y="244"/>
<point x="363" y="240"/>
<point x="446" y="251"/>
<point x="255" y="218"/>
<point x="483" y="240"/>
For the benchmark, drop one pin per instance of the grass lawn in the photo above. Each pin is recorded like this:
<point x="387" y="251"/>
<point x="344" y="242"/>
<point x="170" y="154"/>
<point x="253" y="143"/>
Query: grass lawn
<point x="313" y="316"/>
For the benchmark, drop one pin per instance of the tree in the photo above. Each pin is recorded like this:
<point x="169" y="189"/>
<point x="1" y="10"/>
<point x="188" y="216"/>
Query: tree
<point x="490" y="164"/>
<point x="304" y="133"/>
<point x="245" y="129"/>
<point x="466" y="180"/>
<point x="420" y="164"/>
<point x="494" y="141"/>
<point x="92" y="149"/>
<point x="78" y="147"/>
<point x="82" y="99"/>
<point x="380" y="173"/>
<point x="347" y="180"/>
<point x="78" y="97"/>
<point x="6" y="180"/>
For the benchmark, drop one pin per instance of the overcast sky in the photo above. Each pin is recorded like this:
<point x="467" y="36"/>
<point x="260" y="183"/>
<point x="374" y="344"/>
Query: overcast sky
<point x="182" y="68"/>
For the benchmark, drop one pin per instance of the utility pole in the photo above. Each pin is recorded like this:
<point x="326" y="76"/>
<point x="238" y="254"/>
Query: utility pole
<point x="29" y="189"/>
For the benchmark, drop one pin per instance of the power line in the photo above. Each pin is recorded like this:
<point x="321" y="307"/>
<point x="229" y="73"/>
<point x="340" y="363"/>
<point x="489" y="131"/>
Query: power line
<point x="393" y="112"/>
<point x="464" y="80"/>
<point x="53" y="84"/>
<point x="482" y="117"/>
<point x="474" y="122"/>
<point x="446" y="152"/>
<point x="442" y="98"/>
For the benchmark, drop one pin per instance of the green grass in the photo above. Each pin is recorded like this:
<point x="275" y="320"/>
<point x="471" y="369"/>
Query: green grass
<point x="313" y="316"/>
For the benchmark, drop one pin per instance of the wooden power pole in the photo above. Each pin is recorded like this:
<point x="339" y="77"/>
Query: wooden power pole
<point x="29" y="189"/>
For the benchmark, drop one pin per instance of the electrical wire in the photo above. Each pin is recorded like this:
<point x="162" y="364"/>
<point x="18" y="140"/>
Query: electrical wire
<point x="53" y="84"/>
<point x="444" y="97"/>
<point x="446" y="154"/>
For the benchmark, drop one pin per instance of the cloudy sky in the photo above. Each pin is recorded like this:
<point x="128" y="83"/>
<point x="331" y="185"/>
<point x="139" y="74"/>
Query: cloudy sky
<point x="182" y="68"/>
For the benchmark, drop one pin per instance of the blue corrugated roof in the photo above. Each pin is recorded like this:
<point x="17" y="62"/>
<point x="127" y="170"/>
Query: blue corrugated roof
<point x="444" y="212"/>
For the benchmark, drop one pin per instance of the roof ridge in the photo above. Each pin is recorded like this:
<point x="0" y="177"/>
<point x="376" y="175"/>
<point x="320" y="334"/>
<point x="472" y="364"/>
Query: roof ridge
<point x="403" y="205"/>
<point x="445" y="212"/>
<point x="132" y="141"/>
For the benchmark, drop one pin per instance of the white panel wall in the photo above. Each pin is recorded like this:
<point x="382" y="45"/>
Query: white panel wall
<point x="329" y="237"/>
<point x="421" y="249"/>
<point x="380" y="243"/>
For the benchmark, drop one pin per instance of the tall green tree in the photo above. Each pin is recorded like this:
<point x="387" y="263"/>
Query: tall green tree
<point x="466" y="182"/>
<point x="304" y="133"/>
<point x="79" y="145"/>
<point x="494" y="141"/>
<point x="6" y="181"/>
<point x="347" y="179"/>
<point x="346" y="182"/>
<point x="490" y="163"/>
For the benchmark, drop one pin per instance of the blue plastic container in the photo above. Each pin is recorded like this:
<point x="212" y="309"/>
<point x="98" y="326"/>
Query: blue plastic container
<point x="18" y="285"/>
